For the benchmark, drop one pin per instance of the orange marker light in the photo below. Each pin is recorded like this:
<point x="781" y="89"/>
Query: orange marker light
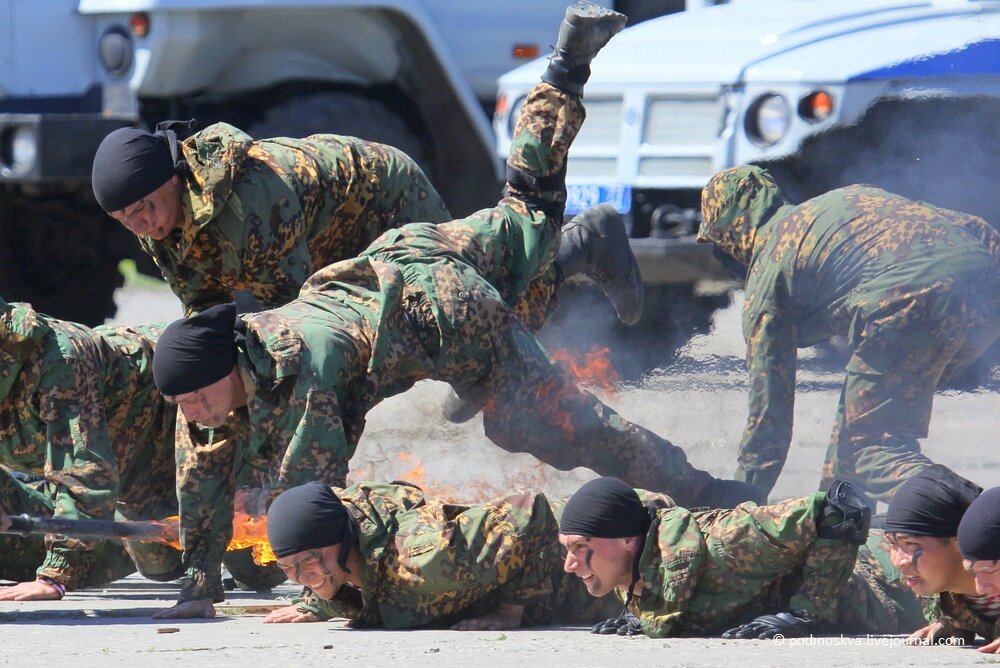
<point x="525" y="51"/>
<point x="817" y="106"/>
<point x="139" y="23"/>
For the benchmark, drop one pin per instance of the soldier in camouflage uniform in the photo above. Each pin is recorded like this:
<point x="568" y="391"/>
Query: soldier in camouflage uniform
<point x="979" y="542"/>
<point x="424" y="301"/>
<point x="79" y="407"/>
<point x="914" y="289"/>
<point x="382" y="556"/>
<point x="924" y="525"/>
<point x="792" y="568"/>
<point x="232" y="213"/>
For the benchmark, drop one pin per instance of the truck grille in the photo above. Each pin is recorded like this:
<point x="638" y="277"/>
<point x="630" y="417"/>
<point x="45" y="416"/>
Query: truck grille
<point x="684" y="121"/>
<point x="604" y="123"/>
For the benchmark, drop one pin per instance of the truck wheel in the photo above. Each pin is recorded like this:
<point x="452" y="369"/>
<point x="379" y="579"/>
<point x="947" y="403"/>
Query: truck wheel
<point x="342" y="113"/>
<point x="55" y="254"/>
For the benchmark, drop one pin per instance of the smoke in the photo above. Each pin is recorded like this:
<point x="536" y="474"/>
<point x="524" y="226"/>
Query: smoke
<point x="941" y="150"/>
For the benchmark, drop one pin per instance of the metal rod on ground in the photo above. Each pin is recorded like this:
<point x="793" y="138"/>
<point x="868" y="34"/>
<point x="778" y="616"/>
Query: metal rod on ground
<point x="26" y="525"/>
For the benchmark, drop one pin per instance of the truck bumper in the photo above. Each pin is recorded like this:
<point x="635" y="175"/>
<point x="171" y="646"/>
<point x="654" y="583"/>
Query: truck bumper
<point x="676" y="261"/>
<point x="45" y="148"/>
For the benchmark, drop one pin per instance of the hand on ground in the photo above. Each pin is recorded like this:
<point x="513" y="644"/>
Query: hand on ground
<point x="201" y="608"/>
<point x="290" y="615"/>
<point x="29" y="591"/>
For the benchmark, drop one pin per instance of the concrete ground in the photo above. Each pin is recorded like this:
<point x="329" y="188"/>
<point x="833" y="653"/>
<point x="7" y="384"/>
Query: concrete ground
<point x="699" y="402"/>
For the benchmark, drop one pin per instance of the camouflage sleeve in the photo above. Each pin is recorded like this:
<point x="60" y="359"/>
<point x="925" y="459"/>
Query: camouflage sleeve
<point x="270" y="231"/>
<point x="771" y="353"/>
<point x="80" y="464"/>
<point x="318" y="446"/>
<point x="205" y="490"/>
<point x="341" y="606"/>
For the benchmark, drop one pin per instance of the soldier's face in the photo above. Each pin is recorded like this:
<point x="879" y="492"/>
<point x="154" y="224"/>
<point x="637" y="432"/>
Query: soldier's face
<point x="157" y="214"/>
<point x="930" y="565"/>
<point x="987" y="576"/>
<point x="317" y="569"/>
<point x="211" y="405"/>
<point x="602" y="563"/>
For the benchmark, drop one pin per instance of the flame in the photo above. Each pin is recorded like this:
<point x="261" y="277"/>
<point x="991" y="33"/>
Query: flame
<point x="248" y="531"/>
<point x="592" y="369"/>
<point x="468" y="491"/>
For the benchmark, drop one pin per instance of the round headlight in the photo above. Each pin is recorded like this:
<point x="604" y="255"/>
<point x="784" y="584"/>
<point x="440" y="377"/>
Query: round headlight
<point x="767" y="119"/>
<point x="115" y="50"/>
<point x="23" y="149"/>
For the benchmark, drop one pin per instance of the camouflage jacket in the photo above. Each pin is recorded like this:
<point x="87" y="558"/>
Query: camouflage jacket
<point x="706" y="571"/>
<point x="314" y="367"/>
<point x="959" y="619"/>
<point x="435" y="563"/>
<point x="79" y="406"/>
<point x="264" y="215"/>
<point x="824" y="268"/>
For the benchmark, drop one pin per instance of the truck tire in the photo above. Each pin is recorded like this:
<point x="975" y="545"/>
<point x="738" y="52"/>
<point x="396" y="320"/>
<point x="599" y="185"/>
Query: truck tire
<point x="55" y="254"/>
<point x="342" y="113"/>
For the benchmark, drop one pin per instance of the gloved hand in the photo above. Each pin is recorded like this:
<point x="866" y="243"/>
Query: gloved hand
<point x="624" y="625"/>
<point x="790" y="624"/>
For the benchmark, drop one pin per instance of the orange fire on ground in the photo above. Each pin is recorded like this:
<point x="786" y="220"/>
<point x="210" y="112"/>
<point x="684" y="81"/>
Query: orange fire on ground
<point x="248" y="531"/>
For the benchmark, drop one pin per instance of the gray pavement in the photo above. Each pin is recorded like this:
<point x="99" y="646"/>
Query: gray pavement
<point x="699" y="402"/>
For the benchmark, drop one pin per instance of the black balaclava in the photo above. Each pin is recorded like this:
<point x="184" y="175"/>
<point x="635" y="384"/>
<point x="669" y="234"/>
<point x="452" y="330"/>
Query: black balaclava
<point x="310" y="517"/>
<point x="608" y="508"/>
<point x="979" y="531"/>
<point x="195" y="352"/>
<point x="131" y="163"/>
<point x="931" y="503"/>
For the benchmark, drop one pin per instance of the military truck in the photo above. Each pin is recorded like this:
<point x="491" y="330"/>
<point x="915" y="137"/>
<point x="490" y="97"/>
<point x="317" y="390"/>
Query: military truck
<point x="902" y="94"/>
<point x="418" y="74"/>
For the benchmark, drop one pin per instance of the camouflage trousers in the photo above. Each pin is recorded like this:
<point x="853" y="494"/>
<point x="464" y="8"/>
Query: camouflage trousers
<point x="489" y="356"/>
<point x="105" y="562"/>
<point x="918" y="337"/>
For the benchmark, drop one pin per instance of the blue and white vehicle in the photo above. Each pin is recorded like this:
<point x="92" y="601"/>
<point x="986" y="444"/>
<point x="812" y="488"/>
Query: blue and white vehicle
<point x="674" y="100"/>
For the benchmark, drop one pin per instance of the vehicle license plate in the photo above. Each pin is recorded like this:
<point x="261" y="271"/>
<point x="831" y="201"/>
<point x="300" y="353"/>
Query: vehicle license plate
<point x="580" y="197"/>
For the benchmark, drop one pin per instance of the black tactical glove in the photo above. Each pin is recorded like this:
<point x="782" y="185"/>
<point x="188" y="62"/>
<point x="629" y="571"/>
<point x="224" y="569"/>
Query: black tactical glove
<point x="624" y="625"/>
<point x="790" y="624"/>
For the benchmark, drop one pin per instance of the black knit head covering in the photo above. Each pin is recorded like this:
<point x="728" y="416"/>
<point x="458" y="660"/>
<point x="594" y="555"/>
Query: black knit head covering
<point x="131" y="163"/>
<point x="608" y="508"/>
<point x="310" y="517"/>
<point x="931" y="503"/>
<point x="195" y="352"/>
<point x="979" y="531"/>
<point x="604" y="508"/>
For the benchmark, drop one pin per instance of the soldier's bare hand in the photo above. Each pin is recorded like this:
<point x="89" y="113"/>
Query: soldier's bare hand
<point x="932" y="634"/>
<point x="29" y="591"/>
<point x="507" y="616"/>
<point x="991" y="647"/>
<point x="201" y="608"/>
<point x="290" y="615"/>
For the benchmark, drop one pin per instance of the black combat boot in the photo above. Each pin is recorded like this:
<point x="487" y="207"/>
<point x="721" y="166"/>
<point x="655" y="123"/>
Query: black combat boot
<point x="847" y="515"/>
<point x="595" y="244"/>
<point x="584" y="31"/>
<point x="456" y="410"/>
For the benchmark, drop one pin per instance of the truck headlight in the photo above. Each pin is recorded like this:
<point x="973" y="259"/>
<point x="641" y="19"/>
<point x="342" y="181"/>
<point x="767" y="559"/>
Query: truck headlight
<point x="18" y="149"/>
<point x="115" y="50"/>
<point x="767" y="119"/>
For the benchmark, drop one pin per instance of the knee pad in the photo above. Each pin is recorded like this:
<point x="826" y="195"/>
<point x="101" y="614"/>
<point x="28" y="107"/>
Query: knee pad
<point x="846" y="514"/>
